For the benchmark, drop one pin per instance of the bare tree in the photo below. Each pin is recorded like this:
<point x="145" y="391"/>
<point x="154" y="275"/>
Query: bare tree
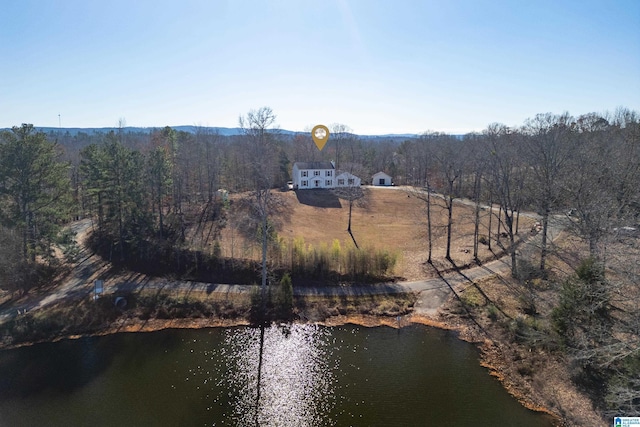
<point x="587" y="189"/>
<point x="480" y="170"/>
<point x="351" y="191"/>
<point x="625" y="165"/>
<point x="304" y="149"/>
<point x="260" y="143"/>
<point x="506" y="175"/>
<point x="407" y="160"/>
<point x="420" y="178"/>
<point x="549" y="146"/>
<point x="341" y="138"/>
<point x="449" y="165"/>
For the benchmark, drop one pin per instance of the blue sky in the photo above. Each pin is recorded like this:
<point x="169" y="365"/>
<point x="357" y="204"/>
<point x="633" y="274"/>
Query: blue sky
<point x="377" y="66"/>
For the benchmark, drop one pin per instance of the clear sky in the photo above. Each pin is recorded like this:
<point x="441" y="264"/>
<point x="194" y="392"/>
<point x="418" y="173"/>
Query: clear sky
<point x="377" y="66"/>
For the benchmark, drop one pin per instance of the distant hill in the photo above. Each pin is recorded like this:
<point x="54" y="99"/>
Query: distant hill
<point x="194" y="129"/>
<point x="131" y="129"/>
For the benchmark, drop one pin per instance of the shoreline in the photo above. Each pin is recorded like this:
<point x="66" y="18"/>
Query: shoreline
<point x="488" y="351"/>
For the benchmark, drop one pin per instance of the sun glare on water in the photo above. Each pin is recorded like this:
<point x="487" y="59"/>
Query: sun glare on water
<point x="291" y="386"/>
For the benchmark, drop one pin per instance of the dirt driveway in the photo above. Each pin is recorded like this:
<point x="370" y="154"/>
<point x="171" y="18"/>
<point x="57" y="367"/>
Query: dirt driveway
<point x="432" y="292"/>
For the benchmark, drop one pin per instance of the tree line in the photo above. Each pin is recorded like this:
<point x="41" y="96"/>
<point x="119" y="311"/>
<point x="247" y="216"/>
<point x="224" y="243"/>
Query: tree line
<point x="144" y="190"/>
<point x="144" y="184"/>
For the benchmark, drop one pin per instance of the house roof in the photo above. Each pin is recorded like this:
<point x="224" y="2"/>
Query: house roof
<point x="314" y="165"/>
<point x="345" y="174"/>
<point x="381" y="173"/>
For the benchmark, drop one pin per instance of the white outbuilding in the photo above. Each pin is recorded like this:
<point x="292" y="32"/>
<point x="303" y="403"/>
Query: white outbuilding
<point x="381" y="179"/>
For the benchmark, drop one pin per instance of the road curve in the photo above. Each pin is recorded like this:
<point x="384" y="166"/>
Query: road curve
<point x="432" y="293"/>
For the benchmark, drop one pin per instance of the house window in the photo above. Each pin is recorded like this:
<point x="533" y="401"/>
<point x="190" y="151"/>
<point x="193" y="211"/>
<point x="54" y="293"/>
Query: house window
<point x="351" y="181"/>
<point x="305" y="173"/>
<point x="329" y="173"/>
<point x="316" y="173"/>
<point x="381" y="182"/>
<point x="305" y="183"/>
<point x="328" y="183"/>
<point x="317" y="183"/>
<point x="341" y="181"/>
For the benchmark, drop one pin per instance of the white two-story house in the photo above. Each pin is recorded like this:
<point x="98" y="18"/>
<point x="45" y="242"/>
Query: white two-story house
<point x="313" y="175"/>
<point x="309" y="175"/>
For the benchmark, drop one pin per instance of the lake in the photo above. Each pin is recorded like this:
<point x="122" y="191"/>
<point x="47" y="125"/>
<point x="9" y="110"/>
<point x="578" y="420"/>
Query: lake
<point x="308" y="375"/>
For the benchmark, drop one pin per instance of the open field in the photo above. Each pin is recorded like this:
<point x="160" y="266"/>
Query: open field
<point x="386" y="218"/>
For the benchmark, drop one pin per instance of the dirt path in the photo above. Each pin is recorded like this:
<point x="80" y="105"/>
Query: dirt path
<point x="432" y="293"/>
<point x="78" y="283"/>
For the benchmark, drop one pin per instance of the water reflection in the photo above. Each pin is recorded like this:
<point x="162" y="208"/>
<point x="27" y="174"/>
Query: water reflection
<point x="311" y="376"/>
<point x="291" y="385"/>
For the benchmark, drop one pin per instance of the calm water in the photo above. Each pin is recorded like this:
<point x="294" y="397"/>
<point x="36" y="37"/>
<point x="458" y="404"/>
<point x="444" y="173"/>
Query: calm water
<point x="308" y="376"/>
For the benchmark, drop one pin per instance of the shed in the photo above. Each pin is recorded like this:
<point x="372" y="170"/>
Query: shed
<point x="381" y="179"/>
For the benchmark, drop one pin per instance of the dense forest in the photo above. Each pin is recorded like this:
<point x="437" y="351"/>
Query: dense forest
<point x="145" y="189"/>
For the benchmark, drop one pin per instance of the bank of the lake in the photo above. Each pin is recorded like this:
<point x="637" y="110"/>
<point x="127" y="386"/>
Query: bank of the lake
<point x="488" y="359"/>
<point x="391" y="310"/>
<point x="311" y="375"/>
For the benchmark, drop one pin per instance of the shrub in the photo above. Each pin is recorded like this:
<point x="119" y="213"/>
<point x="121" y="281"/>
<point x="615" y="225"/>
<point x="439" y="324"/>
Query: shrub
<point x="527" y="271"/>
<point x="492" y="311"/>
<point x="528" y="303"/>
<point x="472" y="297"/>
<point x="584" y="306"/>
<point x="533" y="333"/>
<point x="284" y="297"/>
<point x="256" y="313"/>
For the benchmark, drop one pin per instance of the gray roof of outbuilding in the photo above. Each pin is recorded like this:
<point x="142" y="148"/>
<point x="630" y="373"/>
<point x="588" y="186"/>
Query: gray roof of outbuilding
<point x="314" y="165"/>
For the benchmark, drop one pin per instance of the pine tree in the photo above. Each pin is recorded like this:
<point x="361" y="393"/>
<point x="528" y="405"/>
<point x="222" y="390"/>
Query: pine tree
<point x="35" y="188"/>
<point x="113" y="176"/>
<point x="159" y="169"/>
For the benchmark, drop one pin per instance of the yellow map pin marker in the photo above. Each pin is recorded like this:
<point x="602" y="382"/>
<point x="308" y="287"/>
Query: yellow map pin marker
<point x="320" y="135"/>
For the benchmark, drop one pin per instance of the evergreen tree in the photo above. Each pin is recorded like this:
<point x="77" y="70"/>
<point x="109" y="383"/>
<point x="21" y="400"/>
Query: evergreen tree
<point x="35" y="189"/>
<point x="159" y="169"/>
<point x="114" y="176"/>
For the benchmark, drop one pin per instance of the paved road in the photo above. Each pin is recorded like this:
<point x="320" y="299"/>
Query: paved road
<point x="432" y="293"/>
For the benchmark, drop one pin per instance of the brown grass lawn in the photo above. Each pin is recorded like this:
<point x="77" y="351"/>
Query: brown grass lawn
<point x="386" y="218"/>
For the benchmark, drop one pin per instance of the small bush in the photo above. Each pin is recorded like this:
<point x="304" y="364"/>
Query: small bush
<point x="526" y="271"/>
<point x="525" y="370"/>
<point x="162" y="313"/>
<point x="284" y="297"/>
<point x="388" y="308"/>
<point x="528" y="303"/>
<point x="472" y="297"/>
<point x="533" y="333"/>
<point x="492" y="312"/>
<point x="256" y="314"/>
